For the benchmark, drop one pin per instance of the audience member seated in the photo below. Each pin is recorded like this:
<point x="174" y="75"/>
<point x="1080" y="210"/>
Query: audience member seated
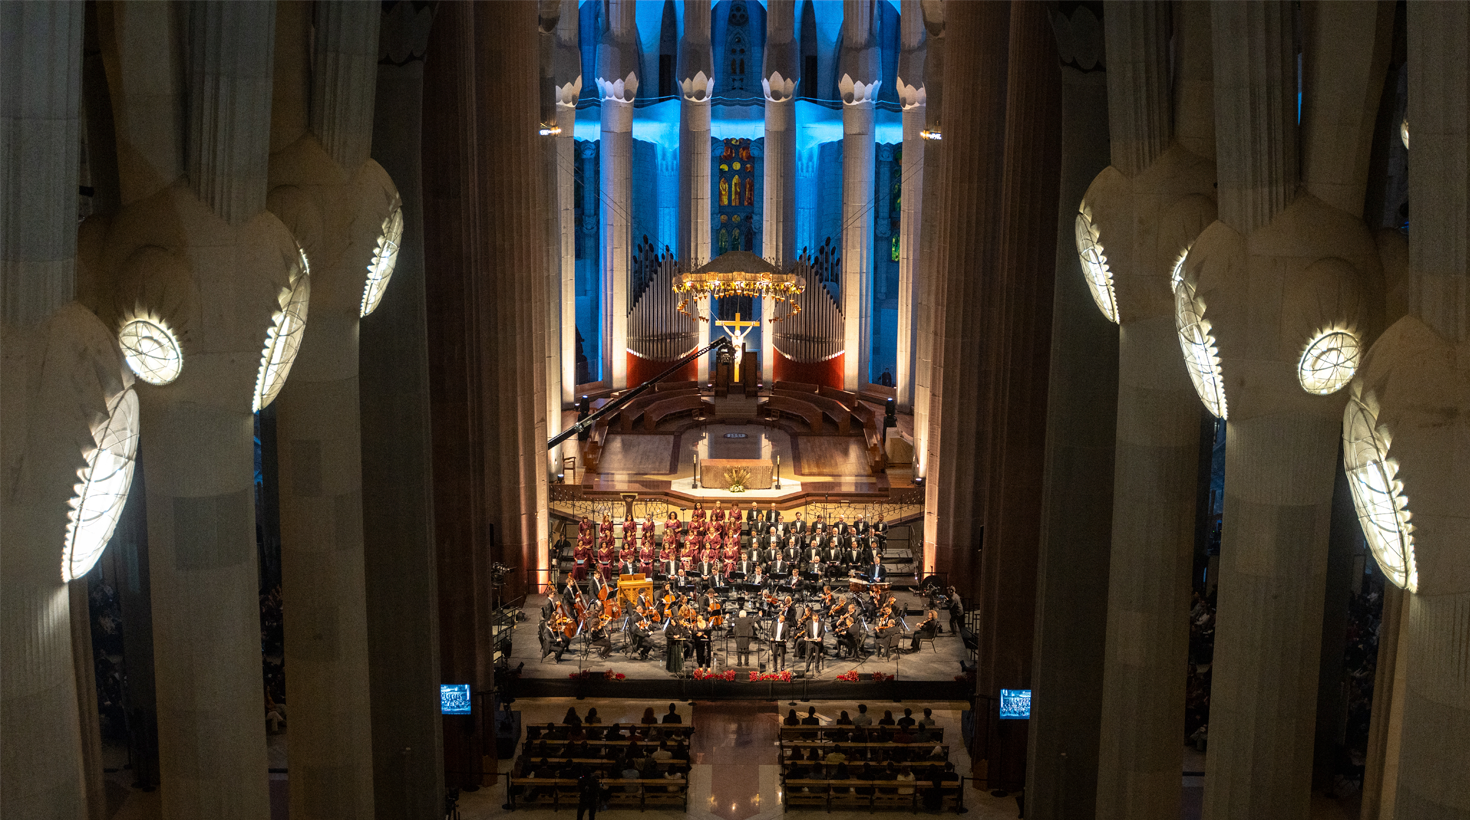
<point x="906" y="721"/>
<point x="648" y="716"/>
<point x="672" y="716"/>
<point x="928" y="720"/>
<point x="903" y="735"/>
<point x="887" y="719"/>
<point x="630" y="772"/>
<point x="792" y="719"/>
<point x="811" y="717"/>
<point x="843" y="719"/>
<point x="592" y="718"/>
<point x="571" y="719"/>
<point x="905" y="775"/>
<point x="863" y="719"/>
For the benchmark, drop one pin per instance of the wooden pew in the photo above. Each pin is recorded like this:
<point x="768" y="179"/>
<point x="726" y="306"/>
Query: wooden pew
<point x="668" y="730"/>
<point x="796" y="733"/>
<point x="802" y="409"/>
<point x="666" y="407"/>
<point x="557" y="791"/>
<point x="872" y="422"/>
<point x="884" y="793"/>
<point x="840" y="414"/>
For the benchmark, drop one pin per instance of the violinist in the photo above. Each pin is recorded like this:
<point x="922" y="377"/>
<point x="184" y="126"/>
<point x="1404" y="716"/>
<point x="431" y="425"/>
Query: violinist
<point x="641" y="637"/>
<point x="827" y="596"/>
<point x="887" y="633"/>
<point x="849" y="631"/>
<point x="553" y="640"/>
<point x="598" y="637"/>
<point x="927" y="629"/>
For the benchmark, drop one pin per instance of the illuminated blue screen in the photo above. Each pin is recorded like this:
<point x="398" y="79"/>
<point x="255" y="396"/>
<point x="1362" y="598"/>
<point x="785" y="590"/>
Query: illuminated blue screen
<point x="1015" y="704"/>
<point x="454" y="698"/>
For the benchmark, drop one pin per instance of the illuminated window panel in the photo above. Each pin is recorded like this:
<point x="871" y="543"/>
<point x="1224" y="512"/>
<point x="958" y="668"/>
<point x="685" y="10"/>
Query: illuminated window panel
<point x="1201" y="358"/>
<point x="283" y="338"/>
<point x="151" y="350"/>
<point x="1329" y="362"/>
<point x="1176" y="273"/>
<point x="103" y="489"/>
<point x="385" y="259"/>
<point x="1378" y="495"/>
<point x="1095" y="265"/>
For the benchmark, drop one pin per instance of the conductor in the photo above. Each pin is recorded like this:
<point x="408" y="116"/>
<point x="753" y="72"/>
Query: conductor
<point x="744" y="631"/>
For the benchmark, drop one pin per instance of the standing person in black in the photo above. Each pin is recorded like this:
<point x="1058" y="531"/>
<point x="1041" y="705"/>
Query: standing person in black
<point x="814" y="632"/>
<point x="744" y="631"/>
<point x="780" y="633"/>
<point x="589" y="794"/>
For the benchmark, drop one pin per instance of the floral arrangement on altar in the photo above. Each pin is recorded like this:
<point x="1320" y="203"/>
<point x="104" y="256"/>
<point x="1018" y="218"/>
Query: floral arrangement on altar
<point x="783" y="676"/>
<point x="738" y="477"/>
<point x="589" y="674"/>
<point x="727" y="675"/>
<point x="850" y="677"/>
<point x="879" y="677"/>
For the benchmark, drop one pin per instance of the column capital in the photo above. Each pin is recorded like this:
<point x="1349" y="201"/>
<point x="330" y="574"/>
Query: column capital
<point x="778" y="89"/>
<point x="618" y="90"/>
<point x="856" y="92"/>
<point x="698" y="88"/>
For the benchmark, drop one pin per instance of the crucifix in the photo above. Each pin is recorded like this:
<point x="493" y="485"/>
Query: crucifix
<point x="737" y="336"/>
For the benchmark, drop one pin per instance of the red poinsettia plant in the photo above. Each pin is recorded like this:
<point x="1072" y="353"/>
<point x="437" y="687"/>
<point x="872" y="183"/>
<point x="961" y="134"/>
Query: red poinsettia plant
<point x="727" y="675"/>
<point x="879" y="677"/>
<point x="850" y="677"/>
<point x="783" y="676"/>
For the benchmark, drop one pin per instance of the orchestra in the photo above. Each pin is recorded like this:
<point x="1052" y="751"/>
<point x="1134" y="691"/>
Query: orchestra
<point x="784" y="578"/>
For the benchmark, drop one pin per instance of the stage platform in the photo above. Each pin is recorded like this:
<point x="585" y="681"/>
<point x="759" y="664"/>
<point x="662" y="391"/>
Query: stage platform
<point x="930" y="672"/>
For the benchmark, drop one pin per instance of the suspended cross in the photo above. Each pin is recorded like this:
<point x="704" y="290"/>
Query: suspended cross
<point x="737" y="336"/>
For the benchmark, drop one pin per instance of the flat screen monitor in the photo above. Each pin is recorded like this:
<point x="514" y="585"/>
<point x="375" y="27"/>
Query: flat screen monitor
<point x="1015" y="704"/>
<point x="454" y="698"/>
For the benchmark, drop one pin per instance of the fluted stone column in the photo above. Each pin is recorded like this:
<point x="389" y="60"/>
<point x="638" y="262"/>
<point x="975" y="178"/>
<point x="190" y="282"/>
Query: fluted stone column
<point x="1319" y="264"/>
<point x="697" y="85"/>
<point x="970" y="209"/>
<point x="617" y="85"/>
<point x="48" y="344"/>
<point x="397" y="459"/>
<point x="336" y="201"/>
<point x="1016" y="353"/>
<point x="779" y="77"/>
<point x="567" y="89"/>
<point x="168" y="254"/>
<point x="1413" y="390"/>
<point x="1132" y="226"/>
<point x="860" y="77"/>
<point x="913" y="96"/>
<point x="930" y="283"/>
<point x="1082" y="401"/>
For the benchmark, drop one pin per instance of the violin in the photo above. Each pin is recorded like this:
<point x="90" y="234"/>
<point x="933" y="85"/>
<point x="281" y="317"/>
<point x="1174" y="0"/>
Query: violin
<point x="566" y="626"/>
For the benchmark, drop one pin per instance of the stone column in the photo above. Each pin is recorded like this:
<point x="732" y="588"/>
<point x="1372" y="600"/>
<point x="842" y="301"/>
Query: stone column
<point x="930" y="287"/>
<point x="461" y="548"/>
<point x="914" y="98"/>
<point x="1082" y="402"/>
<point x="567" y="89"/>
<point x="779" y="77"/>
<point x="1131" y="227"/>
<point x="166" y="257"/>
<point x="342" y="208"/>
<point x="1319" y="264"/>
<point x="697" y="85"/>
<point x="860" y="77"/>
<point x="970" y="209"/>
<point x="398" y="511"/>
<point x="41" y="768"/>
<point x="1411" y="391"/>
<point x="617" y="85"/>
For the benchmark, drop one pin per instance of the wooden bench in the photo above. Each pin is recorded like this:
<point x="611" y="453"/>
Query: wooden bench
<point x="872" y="422"/>
<point x="556" y="791"/>
<point x="593" y="451"/>
<point x="795" y="387"/>
<point x="799" y="733"/>
<point x="802" y="409"/>
<point x="882" y="793"/>
<point x="629" y="414"/>
<point x="674" y="387"/>
<point x="668" y="730"/>
<point x="667" y="407"/>
<point x="831" y="408"/>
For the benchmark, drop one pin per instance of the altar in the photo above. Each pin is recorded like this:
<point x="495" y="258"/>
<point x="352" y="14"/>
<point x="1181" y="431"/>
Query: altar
<point x="715" y="472"/>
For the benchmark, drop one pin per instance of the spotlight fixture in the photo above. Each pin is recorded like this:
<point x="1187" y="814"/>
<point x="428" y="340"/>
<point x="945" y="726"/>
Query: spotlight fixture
<point x="932" y="134"/>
